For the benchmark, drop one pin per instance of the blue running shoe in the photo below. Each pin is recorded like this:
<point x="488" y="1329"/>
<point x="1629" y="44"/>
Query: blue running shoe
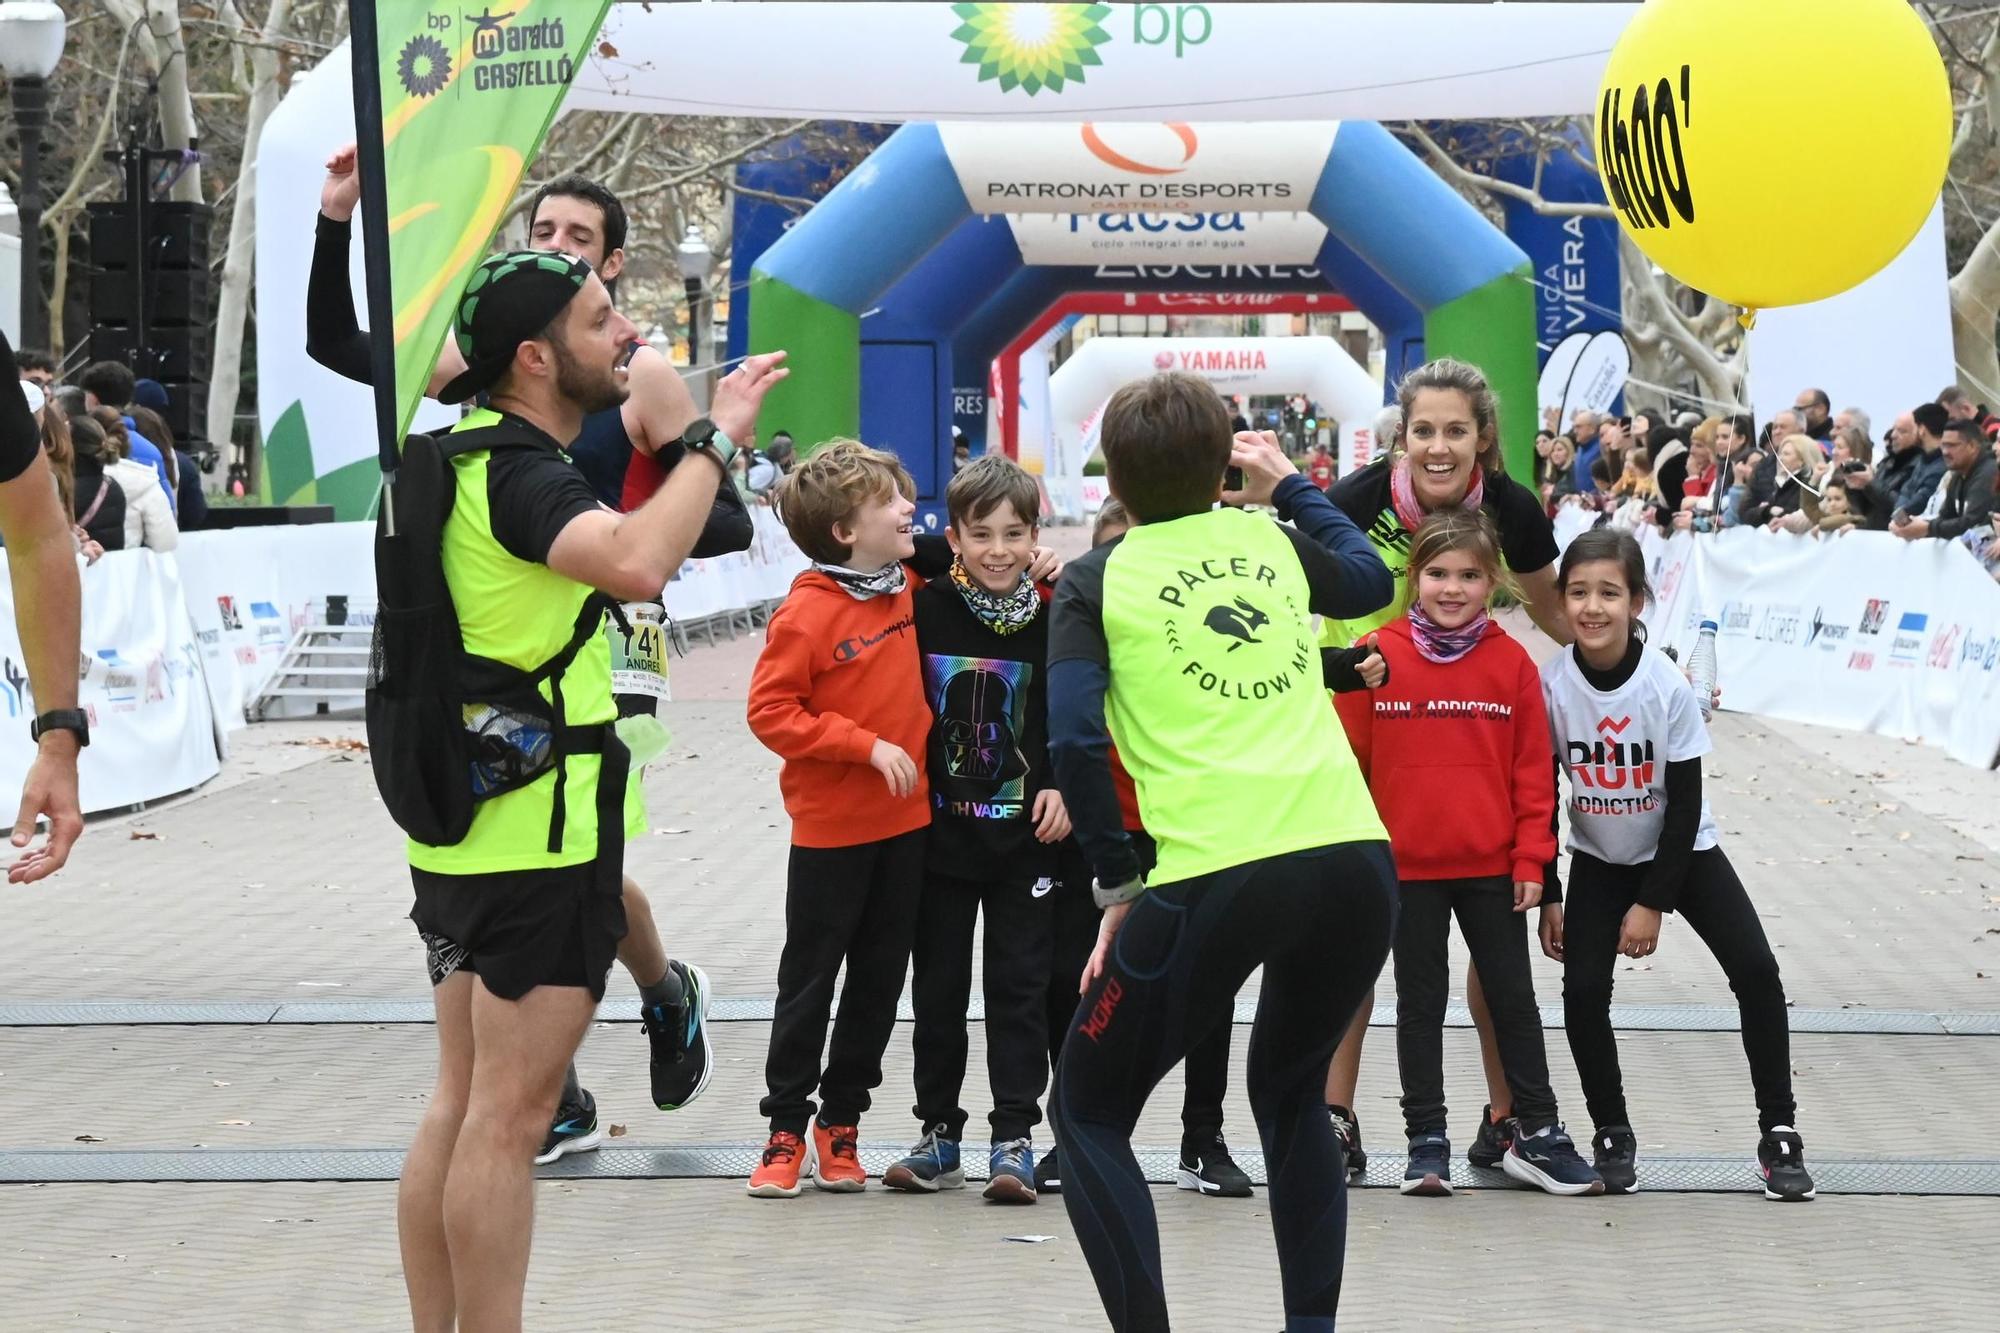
<point x="931" y="1166"/>
<point x="682" y="1059"/>
<point x="1011" y="1172"/>
<point x="1429" y="1171"/>
<point x="1548" y="1160"/>
<point x="575" y="1130"/>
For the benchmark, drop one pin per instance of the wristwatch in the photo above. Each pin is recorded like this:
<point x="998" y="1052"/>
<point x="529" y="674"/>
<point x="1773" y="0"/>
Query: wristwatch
<point x="1110" y="895"/>
<point x="62" y="719"/>
<point x="703" y="436"/>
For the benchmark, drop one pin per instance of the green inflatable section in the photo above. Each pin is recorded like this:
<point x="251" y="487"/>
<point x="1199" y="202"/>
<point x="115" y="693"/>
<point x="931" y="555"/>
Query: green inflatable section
<point x="1493" y="327"/>
<point x="821" y="399"/>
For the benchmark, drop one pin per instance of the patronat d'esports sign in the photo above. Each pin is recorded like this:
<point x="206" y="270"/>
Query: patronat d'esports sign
<point x="1147" y="167"/>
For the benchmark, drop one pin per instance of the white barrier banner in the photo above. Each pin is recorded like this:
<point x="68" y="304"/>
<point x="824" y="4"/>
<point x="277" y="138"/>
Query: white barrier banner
<point x="1864" y="631"/>
<point x="152" y="732"/>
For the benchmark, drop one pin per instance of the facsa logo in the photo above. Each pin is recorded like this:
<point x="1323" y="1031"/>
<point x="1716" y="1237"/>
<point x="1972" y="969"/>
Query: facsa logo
<point x="1909" y="641"/>
<point x="1861" y="662"/>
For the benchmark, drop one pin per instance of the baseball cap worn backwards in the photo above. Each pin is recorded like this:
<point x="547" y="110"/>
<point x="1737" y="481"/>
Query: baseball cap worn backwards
<point x="509" y="299"/>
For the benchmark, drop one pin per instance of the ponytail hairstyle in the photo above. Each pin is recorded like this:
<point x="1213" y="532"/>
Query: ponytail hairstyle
<point x="117" y="439"/>
<point x="1619" y="547"/>
<point x="1452" y="376"/>
<point x="1456" y="529"/>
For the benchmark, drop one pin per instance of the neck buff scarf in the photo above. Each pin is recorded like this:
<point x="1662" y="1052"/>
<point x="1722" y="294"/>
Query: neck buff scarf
<point x="1439" y="644"/>
<point x="1403" y="493"/>
<point x="1001" y="612"/>
<point x="887" y="580"/>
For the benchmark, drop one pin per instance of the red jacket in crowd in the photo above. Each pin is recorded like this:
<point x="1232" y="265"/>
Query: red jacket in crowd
<point x="1457" y="756"/>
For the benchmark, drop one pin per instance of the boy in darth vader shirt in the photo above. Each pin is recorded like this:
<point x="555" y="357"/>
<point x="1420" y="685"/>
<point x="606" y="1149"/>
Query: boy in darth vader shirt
<point x="982" y="637"/>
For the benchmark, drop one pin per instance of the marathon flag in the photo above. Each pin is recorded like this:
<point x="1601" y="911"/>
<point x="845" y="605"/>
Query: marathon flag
<point x="449" y="108"/>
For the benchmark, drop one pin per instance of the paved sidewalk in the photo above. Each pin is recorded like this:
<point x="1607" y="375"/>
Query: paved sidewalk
<point x="1875" y="866"/>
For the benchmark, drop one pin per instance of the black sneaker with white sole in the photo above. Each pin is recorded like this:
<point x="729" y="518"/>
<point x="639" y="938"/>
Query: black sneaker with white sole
<point x="1548" y="1160"/>
<point x="1490" y="1144"/>
<point x="1615" y="1153"/>
<point x="1048" y="1172"/>
<point x="1781" y="1165"/>
<point x="681" y="1057"/>
<point x="1207" y="1168"/>
<point x="575" y="1130"/>
<point x="1348" y="1126"/>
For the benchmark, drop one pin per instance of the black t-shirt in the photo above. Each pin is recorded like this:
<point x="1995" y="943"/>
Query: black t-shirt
<point x="531" y="495"/>
<point x="987" y="752"/>
<point x="1527" y="537"/>
<point x="20" y="440"/>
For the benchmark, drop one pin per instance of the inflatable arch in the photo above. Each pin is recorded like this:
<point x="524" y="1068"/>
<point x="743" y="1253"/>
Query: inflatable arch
<point x="810" y="292"/>
<point x="1317" y="367"/>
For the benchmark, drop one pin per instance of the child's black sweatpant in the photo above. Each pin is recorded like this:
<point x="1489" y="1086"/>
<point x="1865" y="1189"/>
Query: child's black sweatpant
<point x="858" y="905"/>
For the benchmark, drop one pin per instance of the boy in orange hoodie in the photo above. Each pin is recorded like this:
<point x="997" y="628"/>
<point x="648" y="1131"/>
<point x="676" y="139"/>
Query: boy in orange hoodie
<point x="838" y="694"/>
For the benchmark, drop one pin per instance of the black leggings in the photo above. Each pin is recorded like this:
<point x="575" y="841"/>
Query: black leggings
<point x="1497" y="936"/>
<point x="1714" y="904"/>
<point x="1319" y="922"/>
<point x="1073" y="934"/>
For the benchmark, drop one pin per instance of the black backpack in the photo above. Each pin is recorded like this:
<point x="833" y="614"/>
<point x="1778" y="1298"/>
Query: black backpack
<point x="447" y="728"/>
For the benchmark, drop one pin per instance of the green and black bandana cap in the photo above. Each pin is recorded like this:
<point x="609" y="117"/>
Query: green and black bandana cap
<point x="509" y="299"/>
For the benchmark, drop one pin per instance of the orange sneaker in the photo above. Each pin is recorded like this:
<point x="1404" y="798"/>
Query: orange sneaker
<point x="837" y="1158"/>
<point x="777" y="1173"/>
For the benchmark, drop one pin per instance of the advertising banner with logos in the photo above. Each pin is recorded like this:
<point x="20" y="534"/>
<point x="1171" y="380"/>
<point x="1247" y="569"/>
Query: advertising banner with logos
<point x="899" y="61"/>
<point x="1867" y="631"/>
<point x="152" y="731"/>
<point x="1072" y="239"/>
<point x="1171" y="166"/>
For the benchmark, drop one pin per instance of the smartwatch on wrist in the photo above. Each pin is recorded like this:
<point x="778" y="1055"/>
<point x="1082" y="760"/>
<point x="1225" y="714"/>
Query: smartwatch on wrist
<point x="1110" y="895"/>
<point x="62" y="719"/>
<point x="703" y="437"/>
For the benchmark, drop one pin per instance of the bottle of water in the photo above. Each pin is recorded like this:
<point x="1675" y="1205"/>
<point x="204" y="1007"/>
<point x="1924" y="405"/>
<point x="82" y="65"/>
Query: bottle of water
<point x="645" y="736"/>
<point x="1701" y="669"/>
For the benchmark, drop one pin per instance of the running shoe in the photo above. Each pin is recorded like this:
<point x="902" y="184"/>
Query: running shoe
<point x="1207" y="1168"/>
<point x="1429" y="1171"/>
<point x="837" y="1158"/>
<point x="682" y="1059"/>
<point x="777" y="1173"/>
<point x="932" y="1165"/>
<point x="1010" y="1176"/>
<point x="1490" y="1144"/>
<point x="575" y="1130"/>
<point x="1048" y="1173"/>
<point x="1348" y="1126"/>
<point x="1781" y="1164"/>
<point x="1548" y="1160"/>
<point x="1617" y="1158"/>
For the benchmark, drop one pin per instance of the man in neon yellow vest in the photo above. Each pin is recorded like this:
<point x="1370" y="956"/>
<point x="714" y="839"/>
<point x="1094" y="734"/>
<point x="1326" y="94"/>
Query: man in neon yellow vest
<point x="522" y="916"/>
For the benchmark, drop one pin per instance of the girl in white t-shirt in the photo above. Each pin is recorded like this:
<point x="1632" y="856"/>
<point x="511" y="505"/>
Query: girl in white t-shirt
<point x="1628" y="733"/>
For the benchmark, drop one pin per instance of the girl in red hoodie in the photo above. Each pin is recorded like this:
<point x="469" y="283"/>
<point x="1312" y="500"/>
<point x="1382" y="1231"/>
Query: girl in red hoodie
<point x="1461" y="719"/>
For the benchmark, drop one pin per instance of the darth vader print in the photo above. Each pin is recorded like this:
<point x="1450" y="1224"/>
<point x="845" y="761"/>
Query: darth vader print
<point x="981" y="706"/>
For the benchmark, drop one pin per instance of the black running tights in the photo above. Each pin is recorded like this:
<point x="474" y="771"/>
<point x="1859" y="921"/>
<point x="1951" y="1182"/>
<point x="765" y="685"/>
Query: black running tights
<point x="1715" y="906"/>
<point x="1319" y="923"/>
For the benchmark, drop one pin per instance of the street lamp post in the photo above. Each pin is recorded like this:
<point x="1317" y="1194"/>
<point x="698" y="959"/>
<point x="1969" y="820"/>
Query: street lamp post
<point x="697" y="261"/>
<point x="32" y="33"/>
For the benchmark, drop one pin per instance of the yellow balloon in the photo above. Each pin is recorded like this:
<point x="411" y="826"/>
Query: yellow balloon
<point x="1773" y="152"/>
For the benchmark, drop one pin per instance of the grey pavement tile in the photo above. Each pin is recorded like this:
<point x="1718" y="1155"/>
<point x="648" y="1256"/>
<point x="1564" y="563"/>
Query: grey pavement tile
<point x="365" y="1087"/>
<point x="700" y="1254"/>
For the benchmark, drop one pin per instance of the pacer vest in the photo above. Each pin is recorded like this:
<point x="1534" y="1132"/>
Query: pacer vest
<point x="1216" y="703"/>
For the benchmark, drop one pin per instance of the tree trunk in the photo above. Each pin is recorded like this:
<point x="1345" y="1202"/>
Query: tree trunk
<point x="177" y="123"/>
<point x="1975" y="297"/>
<point x="226" y="366"/>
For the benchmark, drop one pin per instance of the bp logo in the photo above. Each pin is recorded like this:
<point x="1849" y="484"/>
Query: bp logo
<point x="1031" y="47"/>
<point x="424" y="67"/>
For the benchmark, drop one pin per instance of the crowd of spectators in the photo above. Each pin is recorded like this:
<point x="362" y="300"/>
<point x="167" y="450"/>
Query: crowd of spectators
<point x="124" y="482"/>
<point x="1810" y="471"/>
